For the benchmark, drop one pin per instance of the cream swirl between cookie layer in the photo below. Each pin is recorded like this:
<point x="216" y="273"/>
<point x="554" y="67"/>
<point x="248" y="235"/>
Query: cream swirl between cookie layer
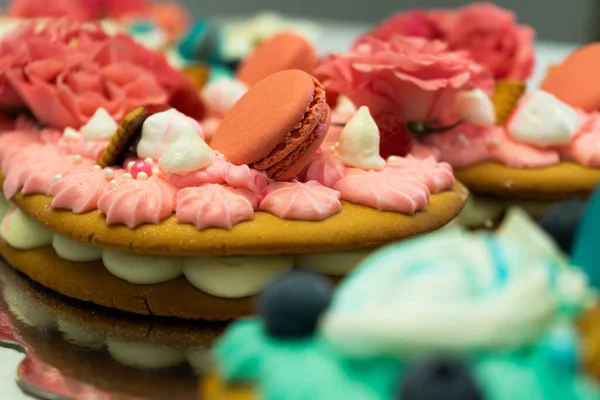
<point x="227" y="277"/>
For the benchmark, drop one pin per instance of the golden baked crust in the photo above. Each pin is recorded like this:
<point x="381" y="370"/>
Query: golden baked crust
<point x="354" y="227"/>
<point x="559" y="182"/>
<point x="213" y="388"/>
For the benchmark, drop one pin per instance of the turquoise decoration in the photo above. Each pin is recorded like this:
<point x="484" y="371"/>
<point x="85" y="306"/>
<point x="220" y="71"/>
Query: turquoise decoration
<point x="142" y="27"/>
<point x="502" y="304"/>
<point x="218" y="72"/>
<point x="202" y="43"/>
<point x="586" y="249"/>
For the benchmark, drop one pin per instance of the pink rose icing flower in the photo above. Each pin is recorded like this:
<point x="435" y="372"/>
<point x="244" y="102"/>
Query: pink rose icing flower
<point x="384" y="190"/>
<point x="46" y="173"/>
<point x="411" y="78"/>
<point x="214" y="206"/>
<point x="64" y="72"/>
<point x="11" y="142"/>
<point x="136" y="202"/>
<point x="71" y="9"/>
<point x="80" y="191"/>
<point x="490" y="34"/>
<point x="493" y="38"/>
<point x="438" y="177"/>
<point x="304" y="201"/>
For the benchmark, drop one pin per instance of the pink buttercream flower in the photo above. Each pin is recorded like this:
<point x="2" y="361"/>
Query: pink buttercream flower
<point x="416" y="23"/>
<point x="494" y="39"/>
<point x="72" y="9"/>
<point x="412" y="78"/>
<point x="64" y="72"/>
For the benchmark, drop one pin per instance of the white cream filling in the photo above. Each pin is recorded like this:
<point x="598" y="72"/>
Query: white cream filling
<point x="144" y="355"/>
<point x="71" y="250"/>
<point x="142" y="269"/>
<point x="22" y="232"/>
<point x="235" y="276"/>
<point x="335" y="264"/>
<point x="201" y="360"/>
<point x="79" y="335"/>
<point x="480" y="211"/>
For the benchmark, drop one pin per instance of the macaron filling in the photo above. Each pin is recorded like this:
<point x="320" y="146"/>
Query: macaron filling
<point x="305" y="133"/>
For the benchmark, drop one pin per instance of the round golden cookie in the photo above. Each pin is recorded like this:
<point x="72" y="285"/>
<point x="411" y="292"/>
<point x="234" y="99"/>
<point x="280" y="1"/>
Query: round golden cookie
<point x="213" y="388"/>
<point x="354" y="227"/>
<point x="559" y="182"/>
<point x="91" y="282"/>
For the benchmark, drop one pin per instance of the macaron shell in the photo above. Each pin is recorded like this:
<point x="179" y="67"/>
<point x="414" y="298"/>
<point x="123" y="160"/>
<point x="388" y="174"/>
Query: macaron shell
<point x="297" y="165"/>
<point x="572" y="81"/>
<point x="263" y="117"/>
<point x="281" y="52"/>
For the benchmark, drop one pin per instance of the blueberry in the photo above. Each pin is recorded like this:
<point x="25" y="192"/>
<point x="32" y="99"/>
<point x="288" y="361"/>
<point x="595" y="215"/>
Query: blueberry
<point x="291" y="305"/>
<point x="439" y="379"/>
<point x="561" y="220"/>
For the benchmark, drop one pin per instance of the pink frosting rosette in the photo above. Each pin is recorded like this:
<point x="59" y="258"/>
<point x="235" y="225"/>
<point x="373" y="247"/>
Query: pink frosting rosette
<point x="214" y="206"/>
<point x="92" y="150"/>
<point x="438" y="177"/>
<point x="490" y="34"/>
<point x="222" y="171"/>
<point x="309" y="201"/>
<point x="11" y="142"/>
<point x="411" y="78"/>
<point x="493" y="38"/>
<point x="80" y="191"/>
<point x="136" y="202"/>
<point x="384" y="191"/>
<point x="324" y="168"/>
<point x="64" y="72"/>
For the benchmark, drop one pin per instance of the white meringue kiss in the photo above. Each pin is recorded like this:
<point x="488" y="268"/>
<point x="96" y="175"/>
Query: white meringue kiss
<point x="359" y="143"/>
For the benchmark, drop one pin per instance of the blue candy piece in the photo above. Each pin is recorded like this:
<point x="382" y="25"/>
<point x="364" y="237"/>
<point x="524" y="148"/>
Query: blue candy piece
<point x="560" y="221"/>
<point x="585" y="251"/>
<point x="561" y="348"/>
<point x="291" y="305"/>
<point x="202" y="43"/>
<point x="439" y="380"/>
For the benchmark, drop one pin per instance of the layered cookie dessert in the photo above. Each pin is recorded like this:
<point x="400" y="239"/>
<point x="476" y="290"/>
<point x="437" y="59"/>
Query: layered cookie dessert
<point x="438" y="326"/>
<point x="135" y="209"/>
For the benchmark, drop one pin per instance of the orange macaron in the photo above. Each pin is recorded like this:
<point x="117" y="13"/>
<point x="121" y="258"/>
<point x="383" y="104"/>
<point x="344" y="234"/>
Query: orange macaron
<point x="277" y="125"/>
<point x="572" y="81"/>
<point x="281" y="52"/>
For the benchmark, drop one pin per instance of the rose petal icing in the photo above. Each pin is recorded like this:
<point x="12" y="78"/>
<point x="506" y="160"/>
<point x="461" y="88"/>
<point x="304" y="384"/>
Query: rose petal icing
<point x="214" y="206"/>
<point x="135" y="202"/>
<point x="309" y="201"/>
<point x="384" y="190"/>
<point x="436" y="176"/>
<point x="420" y="150"/>
<point x="222" y="171"/>
<point x="324" y="168"/>
<point x="521" y="155"/>
<point x="81" y="190"/>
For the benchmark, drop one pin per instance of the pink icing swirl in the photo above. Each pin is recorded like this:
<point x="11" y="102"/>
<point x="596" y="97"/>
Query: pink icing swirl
<point x="214" y="206"/>
<point x="11" y="142"/>
<point x="304" y="201"/>
<point x="222" y="171"/>
<point x="436" y="176"/>
<point x="34" y="175"/>
<point x="324" y="168"/>
<point x="391" y="190"/>
<point x="89" y="149"/>
<point x="79" y="191"/>
<point x="134" y="202"/>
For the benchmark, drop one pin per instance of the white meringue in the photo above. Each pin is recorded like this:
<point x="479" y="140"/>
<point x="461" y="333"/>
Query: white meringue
<point x="100" y="127"/>
<point x="359" y="142"/>
<point x="475" y="107"/>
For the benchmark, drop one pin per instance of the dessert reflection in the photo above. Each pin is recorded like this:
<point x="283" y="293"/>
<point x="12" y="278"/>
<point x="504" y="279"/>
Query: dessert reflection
<point x="77" y="350"/>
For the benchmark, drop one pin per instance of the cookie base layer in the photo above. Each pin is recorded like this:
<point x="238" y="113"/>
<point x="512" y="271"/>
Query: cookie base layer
<point x="559" y="182"/>
<point x="213" y="388"/>
<point x="354" y="227"/>
<point x="91" y="282"/>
